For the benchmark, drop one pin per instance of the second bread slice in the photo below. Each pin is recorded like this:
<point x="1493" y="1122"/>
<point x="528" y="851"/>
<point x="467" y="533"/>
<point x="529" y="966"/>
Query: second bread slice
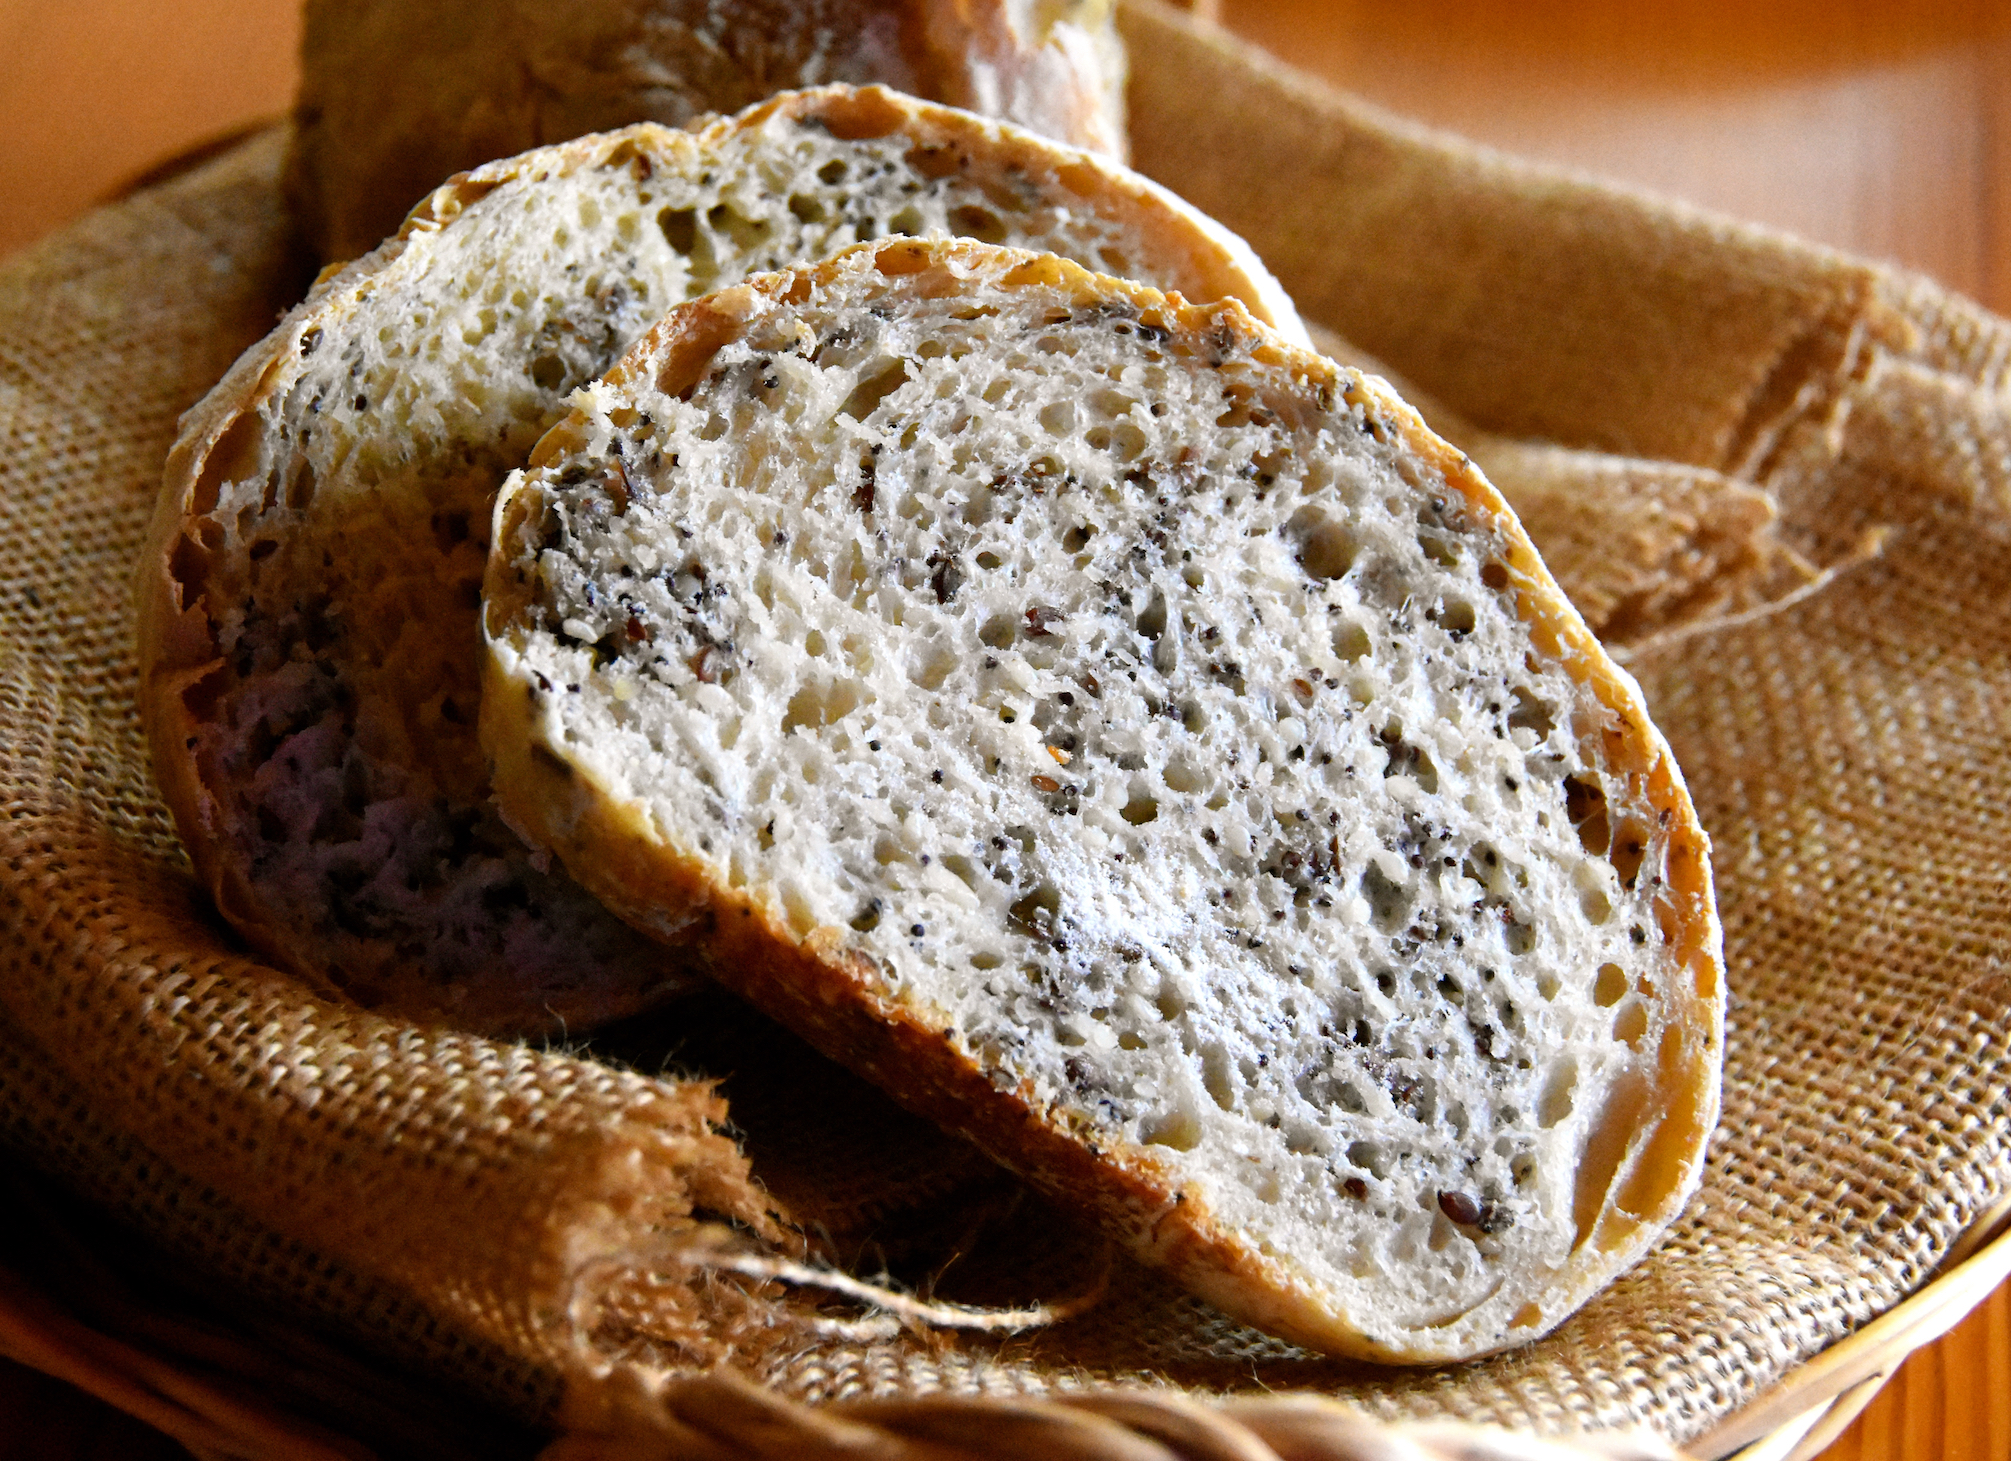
<point x="1138" y="744"/>
<point x="307" y="604"/>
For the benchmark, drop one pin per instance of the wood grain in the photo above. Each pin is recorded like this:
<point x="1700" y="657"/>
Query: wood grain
<point x="46" y="1420"/>
<point x="1883" y="129"/>
<point x="91" y="95"/>
<point x="1950" y="1400"/>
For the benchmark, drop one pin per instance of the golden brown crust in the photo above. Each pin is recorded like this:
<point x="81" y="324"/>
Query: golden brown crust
<point x="810" y="983"/>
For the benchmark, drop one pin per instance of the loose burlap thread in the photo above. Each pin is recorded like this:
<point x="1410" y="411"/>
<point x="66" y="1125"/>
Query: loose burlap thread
<point x="1796" y="472"/>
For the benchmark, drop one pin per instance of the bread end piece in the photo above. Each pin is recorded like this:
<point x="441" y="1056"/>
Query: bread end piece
<point x="396" y="95"/>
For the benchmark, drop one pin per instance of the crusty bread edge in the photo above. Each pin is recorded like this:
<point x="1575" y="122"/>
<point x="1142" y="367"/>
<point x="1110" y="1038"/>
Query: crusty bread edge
<point x="1211" y="250"/>
<point x="176" y="650"/>
<point x="811" y="983"/>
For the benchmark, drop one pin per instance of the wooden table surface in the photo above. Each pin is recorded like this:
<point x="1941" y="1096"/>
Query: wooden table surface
<point x="1881" y="128"/>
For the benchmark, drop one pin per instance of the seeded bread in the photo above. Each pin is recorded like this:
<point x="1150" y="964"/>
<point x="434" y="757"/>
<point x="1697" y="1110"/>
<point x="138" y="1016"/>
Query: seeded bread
<point x="1139" y="744"/>
<point x="397" y="94"/>
<point x="310" y="646"/>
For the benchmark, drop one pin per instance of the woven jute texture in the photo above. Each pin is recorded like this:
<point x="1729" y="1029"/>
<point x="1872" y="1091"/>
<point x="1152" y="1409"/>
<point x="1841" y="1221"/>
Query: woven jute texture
<point x="1779" y="478"/>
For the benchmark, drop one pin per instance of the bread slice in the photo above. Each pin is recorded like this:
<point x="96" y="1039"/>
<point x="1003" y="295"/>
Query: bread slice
<point x="310" y="647"/>
<point x="1141" y="745"/>
<point x="397" y="94"/>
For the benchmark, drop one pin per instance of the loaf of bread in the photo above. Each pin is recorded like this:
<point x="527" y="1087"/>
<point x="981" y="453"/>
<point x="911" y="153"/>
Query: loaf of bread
<point x="310" y="646"/>
<point x="1139" y="744"/>
<point x="397" y="94"/>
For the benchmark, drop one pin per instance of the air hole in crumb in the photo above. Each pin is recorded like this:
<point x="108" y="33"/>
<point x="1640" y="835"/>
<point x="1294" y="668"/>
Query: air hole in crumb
<point x="819" y="705"/>
<point x="875" y="385"/>
<point x="934" y="665"/>
<point x="971" y="221"/>
<point x="868" y="918"/>
<point x="1455" y="617"/>
<point x="1585" y="804"/>
<point x="748" y="233"/>
<point x="986" y="959"/>
<point x="1152" y="618"/>
<point x="1215" y="1077"/>
<point x="1559" y="1093"/>
<point x="1127" y="442"/>
<point x="548" y="372"/>
<point x="1611" y="986"/>
<point x="1369" y="1157"/>
<point x="1441" y="552"/>
<point x="1530" y="713"/>
<point x="1389" y="901"/>
<point x="680" y="228"/>
<point x="1406" y="759"/>
<point x="1325" y="550"/>
<point x="1631" y="1023"/>
<point x="1037" y="911"/>
<point x="1628" y="852"/>
<point x="1351" y="641"/>
<point x="1179" y="1130"/>
<point x="998" y="632"/>
<point x="1077" y="537"/>
<point x="1140" y="809"/>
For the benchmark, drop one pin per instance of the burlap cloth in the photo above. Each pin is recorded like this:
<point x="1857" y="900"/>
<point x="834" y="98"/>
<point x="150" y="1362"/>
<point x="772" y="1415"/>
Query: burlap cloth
<point x="1783" y="476"/>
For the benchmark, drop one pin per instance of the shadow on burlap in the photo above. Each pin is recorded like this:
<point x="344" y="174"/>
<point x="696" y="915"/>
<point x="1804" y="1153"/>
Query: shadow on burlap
<point x="1780" y="479"/>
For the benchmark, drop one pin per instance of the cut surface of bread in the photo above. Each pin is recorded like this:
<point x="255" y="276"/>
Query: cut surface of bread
<point x="1140" y="745"/>
<point x="395" y="95"/>
<point x="310" y="644"/>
